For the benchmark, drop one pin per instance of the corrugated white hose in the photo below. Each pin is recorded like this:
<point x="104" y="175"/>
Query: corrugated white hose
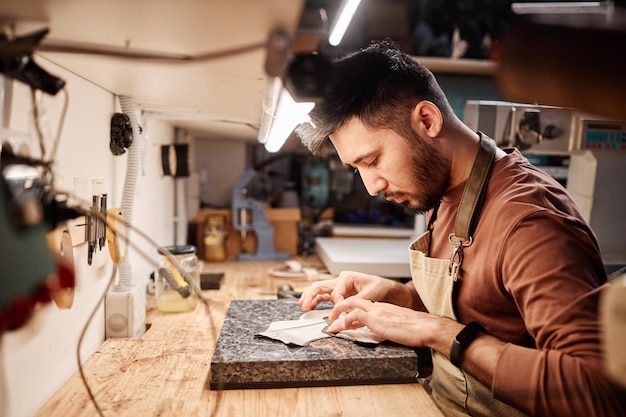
<point x="130" y="184"/>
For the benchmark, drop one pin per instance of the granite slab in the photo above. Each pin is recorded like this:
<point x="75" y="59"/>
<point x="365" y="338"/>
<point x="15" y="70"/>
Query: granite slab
<point x="243" y="360"/>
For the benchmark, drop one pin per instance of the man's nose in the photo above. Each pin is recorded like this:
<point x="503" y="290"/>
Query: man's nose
<point x="374" y="183"/>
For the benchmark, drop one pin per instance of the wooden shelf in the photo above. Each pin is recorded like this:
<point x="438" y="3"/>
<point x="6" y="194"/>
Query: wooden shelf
<point x="458" y="66"/>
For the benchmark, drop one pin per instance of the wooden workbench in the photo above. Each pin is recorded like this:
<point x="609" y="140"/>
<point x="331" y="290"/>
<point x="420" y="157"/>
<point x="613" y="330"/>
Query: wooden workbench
<point x="165" y="372"/>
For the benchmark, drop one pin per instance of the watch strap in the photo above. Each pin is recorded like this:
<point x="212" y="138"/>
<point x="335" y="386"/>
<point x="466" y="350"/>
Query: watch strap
<point x="463" y="340"/>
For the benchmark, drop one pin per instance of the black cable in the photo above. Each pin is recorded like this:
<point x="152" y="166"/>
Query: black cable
<point x="82" y="336"/>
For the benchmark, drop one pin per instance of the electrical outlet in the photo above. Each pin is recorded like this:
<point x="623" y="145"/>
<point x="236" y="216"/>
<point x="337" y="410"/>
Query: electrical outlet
<point x="125" y="311"/>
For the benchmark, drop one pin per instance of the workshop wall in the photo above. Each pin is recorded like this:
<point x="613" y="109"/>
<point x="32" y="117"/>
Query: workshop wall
<point x="219" y="164"/>
<point x="40" y="356"/>
<point x="460" y="87"/>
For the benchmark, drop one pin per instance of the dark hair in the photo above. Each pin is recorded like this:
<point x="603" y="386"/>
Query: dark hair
<point x="378" y="84"/>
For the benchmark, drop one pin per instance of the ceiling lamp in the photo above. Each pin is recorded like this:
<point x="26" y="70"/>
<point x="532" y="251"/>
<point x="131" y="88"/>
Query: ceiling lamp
<point x="346" y="13"/>
<point x="281" y="115"/>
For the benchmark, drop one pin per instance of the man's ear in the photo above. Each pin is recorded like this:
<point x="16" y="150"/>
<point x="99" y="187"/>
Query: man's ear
<point x="426" y="119"/>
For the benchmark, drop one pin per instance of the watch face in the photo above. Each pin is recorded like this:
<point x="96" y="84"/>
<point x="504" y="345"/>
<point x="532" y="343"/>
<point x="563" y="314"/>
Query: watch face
<point x="462" y="340"/>
<point x="469" y="333"/>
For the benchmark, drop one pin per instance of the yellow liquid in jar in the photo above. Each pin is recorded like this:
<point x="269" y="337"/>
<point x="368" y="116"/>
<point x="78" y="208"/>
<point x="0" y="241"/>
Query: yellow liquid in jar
<point x="174" y="303"/>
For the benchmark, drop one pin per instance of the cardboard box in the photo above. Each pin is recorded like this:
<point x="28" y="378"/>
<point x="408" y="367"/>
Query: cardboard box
<point x="284" y="221"/>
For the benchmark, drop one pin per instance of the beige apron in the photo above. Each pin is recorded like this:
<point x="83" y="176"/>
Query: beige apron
<point x="456" y="393"/>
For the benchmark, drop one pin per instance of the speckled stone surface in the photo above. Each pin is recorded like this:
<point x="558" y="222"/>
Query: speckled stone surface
<point x="241" y="360"/>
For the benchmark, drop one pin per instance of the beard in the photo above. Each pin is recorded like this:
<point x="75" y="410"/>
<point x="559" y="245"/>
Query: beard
<point x="431" y="175"/>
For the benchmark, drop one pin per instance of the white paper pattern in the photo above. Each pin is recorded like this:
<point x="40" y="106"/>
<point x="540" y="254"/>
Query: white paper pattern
<point x="310" y="326"/>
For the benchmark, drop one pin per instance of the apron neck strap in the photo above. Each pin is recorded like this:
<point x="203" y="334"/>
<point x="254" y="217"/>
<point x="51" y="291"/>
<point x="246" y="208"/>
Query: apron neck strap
<point x="432" y="218"/>
<point x="474" y="191"/>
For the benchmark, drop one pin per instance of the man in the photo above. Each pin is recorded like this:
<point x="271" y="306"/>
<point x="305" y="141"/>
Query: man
<point x="506" y="279"/>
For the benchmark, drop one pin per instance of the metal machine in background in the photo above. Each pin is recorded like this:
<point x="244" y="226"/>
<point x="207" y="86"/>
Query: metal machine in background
<point x="248" y="216"/>
<point x="546" y="130"/>
<point x="543" y="133"/>
<point x="593" y="152"/>
<point x="531" y="128"/>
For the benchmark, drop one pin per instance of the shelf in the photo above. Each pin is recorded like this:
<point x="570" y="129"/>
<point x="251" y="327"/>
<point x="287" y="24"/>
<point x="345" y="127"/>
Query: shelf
<point x="458" y="66"/>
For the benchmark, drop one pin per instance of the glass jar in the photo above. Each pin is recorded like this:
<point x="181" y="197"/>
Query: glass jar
<point x="172" y="292"/>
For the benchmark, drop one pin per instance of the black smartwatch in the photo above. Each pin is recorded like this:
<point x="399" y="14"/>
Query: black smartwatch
<point x="463" y="340"/>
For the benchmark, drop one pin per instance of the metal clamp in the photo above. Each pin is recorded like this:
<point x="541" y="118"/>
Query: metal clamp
<point x="459" y="242"/>
<point x="456" y="259"/>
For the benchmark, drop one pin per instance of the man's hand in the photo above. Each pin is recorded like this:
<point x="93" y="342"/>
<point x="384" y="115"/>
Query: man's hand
<point x="359" y="285"/>
<point x="398" y="324"/>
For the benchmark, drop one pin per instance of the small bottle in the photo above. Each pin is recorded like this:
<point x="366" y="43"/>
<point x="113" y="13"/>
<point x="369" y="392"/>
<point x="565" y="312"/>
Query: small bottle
<point x="172" y="292"/>
<point x="215" y="239"/>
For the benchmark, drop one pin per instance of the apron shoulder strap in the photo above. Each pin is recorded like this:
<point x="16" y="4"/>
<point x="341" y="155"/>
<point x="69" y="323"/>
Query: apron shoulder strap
<point x="474" y="191"/>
